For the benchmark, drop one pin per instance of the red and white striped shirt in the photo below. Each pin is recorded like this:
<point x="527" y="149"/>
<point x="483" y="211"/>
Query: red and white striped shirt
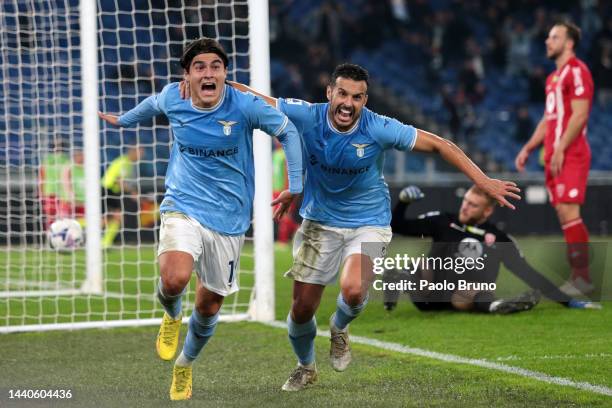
<point x="572" y="81"/>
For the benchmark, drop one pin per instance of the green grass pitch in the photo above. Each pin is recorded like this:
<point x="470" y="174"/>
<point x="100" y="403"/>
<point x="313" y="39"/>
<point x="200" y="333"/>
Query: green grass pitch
<point x="246" y="363"/>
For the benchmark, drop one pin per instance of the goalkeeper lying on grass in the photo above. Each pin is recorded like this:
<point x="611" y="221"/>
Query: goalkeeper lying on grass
<point x="468" y="235"/>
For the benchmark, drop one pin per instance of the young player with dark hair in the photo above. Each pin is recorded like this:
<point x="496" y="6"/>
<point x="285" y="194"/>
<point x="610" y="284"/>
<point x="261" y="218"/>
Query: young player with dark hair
<point x="209" y="194"/>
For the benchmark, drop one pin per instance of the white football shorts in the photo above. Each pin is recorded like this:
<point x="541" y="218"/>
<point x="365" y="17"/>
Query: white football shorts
<point x="319" y="250"/>
<point x="216" y="257"/>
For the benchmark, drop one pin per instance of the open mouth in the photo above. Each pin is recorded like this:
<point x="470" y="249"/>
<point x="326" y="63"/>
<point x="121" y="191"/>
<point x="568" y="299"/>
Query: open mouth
<point x="208" y="87"/>
<point x="344" y="113"/>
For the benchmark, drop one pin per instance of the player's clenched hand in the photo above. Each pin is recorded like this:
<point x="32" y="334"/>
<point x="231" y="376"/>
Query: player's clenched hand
<point x="521" y="159"/>
<point x="283" y="201"/>
<point x="184" y="89"/>
<point x="112" y="119"/>
<point x="500" y="190"/>
<point x="556" y="162"/>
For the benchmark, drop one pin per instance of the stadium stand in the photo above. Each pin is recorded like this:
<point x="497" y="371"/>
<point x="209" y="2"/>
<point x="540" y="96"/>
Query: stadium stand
<point x="471" y="65"/>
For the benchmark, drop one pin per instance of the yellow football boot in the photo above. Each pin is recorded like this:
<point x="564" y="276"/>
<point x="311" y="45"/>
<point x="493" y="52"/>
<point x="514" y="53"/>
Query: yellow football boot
<point x="168" y="337"/>
<point x="181" y="383"/>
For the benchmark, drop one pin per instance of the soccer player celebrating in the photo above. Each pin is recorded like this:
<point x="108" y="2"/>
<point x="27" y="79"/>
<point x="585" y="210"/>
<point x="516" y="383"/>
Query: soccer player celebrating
<point x="346" y="204"/>
<point x="468" y="234"/>
<point x="567" y="156"/>
<point x="209" y="194"/>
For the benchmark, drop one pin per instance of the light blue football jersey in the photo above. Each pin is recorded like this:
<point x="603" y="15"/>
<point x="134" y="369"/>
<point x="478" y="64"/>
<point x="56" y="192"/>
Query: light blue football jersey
<point x="344" y="185"/>
<point x="210" y="174"/>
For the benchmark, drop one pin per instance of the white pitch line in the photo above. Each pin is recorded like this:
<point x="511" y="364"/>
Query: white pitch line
<point x="451" y="358"/>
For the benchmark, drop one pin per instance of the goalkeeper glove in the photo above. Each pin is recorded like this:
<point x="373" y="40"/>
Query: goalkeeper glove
<point x="410" y="194"/>
<point x="582" y="304"/>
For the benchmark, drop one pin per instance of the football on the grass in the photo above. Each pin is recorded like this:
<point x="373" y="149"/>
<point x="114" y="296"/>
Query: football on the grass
<point x="65" y="235"/>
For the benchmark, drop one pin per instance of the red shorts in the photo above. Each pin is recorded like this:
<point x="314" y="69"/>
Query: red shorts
<point x="570" y="185"/>
<point x="67" y="210"/>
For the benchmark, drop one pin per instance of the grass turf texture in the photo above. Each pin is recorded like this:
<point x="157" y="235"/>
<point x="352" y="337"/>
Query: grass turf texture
<point x="118" y="367"/>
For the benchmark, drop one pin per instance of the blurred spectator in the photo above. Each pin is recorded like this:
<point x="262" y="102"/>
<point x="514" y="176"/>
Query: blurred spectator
<point x="456" y="31"/>
<point x="519" y="40"/>
<point x="603" y="74"/>
<point x="524" y="124"/>
<point x="470" y="83"/>
<point x="327" y="28"/>
<point x="590" y="21"/>
<point x="119" y="193"/>
<point x="537" y="82"/>
<point x="72" y="204"/>
<point x="49" y="179"/>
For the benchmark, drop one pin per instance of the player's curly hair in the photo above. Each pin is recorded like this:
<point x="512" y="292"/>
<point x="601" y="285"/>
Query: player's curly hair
<point x="202" y="45"/>
<point x="350" y="71"/>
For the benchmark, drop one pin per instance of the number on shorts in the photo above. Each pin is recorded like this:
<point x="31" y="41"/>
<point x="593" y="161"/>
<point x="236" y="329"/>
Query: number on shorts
<point x="231" y="265"/>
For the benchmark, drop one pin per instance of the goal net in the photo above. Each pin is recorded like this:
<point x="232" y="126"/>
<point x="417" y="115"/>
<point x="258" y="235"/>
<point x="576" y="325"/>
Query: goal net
<point x="60" y="61"/>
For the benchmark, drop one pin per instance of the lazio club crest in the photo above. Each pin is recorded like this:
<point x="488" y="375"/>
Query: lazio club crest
<point x="360" y="148"/>
<point x="227" y="126"/>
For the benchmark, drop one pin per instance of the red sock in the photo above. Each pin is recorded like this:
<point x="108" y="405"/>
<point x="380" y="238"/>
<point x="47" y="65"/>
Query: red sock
<point x="577" y="239"/>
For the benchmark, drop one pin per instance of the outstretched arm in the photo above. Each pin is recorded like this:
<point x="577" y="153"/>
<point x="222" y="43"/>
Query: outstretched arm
<point x="143" y="111"/>
<point x="498" y="189"/>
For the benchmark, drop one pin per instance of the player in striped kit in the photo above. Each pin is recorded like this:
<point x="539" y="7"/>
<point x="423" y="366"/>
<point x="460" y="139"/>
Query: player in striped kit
<point x="567" y="158"/>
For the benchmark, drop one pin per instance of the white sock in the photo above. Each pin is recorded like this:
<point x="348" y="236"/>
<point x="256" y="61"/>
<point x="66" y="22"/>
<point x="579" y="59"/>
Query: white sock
<point x="183" y="361"/>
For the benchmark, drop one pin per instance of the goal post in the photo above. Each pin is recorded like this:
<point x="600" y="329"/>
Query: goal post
<point x="61" y="62"/>
<point x="262" y="308"/>
<point x="91" y="146"/>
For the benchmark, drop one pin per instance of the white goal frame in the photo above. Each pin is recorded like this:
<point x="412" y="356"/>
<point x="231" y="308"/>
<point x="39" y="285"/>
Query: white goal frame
<point x="262" y="303"/>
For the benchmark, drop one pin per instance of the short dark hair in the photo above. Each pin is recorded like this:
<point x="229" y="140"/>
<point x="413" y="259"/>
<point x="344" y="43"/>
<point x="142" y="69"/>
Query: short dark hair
<point x="350" y="71"/>
<point x="202" y="45"/>
<point x="573" y="31"/>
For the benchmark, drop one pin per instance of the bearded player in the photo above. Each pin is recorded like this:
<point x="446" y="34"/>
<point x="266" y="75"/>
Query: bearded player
<point x="567" y="156"/>
<point x="346" y="204"/>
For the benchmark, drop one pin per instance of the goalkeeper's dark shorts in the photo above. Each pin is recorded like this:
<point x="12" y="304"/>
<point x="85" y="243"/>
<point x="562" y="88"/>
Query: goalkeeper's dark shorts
<point x="111" y="201"/>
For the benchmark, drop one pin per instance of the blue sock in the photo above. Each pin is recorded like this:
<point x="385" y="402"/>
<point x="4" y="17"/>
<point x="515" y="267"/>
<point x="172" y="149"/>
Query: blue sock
<point x="172" y="304"/>
<point x="345" y="313"/>
<point x="201" y="329"/>
<point x="302" y="338"/>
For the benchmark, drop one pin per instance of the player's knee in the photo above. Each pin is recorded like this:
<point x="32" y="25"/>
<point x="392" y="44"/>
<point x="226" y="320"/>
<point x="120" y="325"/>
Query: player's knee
<point x="208" y="309"/>
<point x="353" y="295"/>
<point x="173" y="286"/>
<point x="173" y="280"/>
<point x="462" y="301"/>
<point x="567" y="212"/>
<point x="302" y="312"/>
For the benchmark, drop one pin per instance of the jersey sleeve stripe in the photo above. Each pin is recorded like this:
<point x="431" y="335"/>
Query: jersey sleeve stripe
<point x="282" y="126"/>
<point x="414" y="139"/>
